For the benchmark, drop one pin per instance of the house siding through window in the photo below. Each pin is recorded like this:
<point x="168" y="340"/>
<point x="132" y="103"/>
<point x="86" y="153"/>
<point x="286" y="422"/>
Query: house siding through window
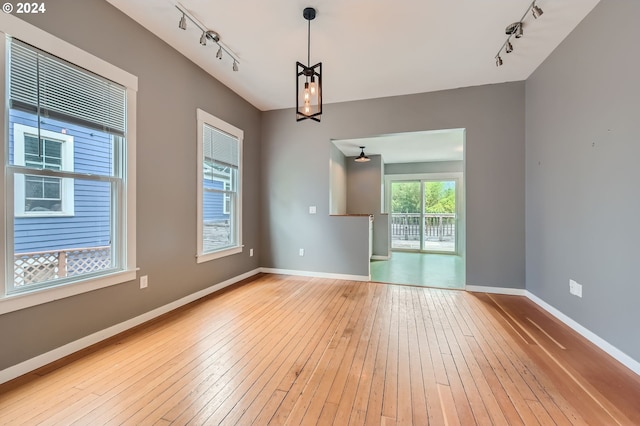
<point x="89" y="225"/>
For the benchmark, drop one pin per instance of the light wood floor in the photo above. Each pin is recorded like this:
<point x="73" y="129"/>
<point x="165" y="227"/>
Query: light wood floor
<point x="289" y="350"/>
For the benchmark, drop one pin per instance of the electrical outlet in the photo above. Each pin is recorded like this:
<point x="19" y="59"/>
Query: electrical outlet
<point x="312" y="209"/>
<point x="575" y="288"/>
<point x="144" y="281"/>
<point x="250" y="252"/>
<point x="301" y="252"/>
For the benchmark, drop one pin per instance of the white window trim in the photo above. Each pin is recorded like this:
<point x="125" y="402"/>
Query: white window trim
<point x="203" y="118"/>
<point x="226" y="199"/>
<point x="13" y="26"/>
<point x="67" y="194"/>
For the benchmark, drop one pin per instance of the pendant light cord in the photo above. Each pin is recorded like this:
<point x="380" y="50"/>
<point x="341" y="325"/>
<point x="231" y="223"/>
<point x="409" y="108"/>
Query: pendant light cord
<point x="309" y="43"/>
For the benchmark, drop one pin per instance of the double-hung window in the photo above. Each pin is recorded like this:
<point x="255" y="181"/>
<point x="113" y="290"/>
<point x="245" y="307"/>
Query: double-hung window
<point x="68" y="159"/>
<point x="219" y="188"/>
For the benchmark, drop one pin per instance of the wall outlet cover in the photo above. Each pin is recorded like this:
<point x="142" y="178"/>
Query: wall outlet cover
<point x="575" y="288"/>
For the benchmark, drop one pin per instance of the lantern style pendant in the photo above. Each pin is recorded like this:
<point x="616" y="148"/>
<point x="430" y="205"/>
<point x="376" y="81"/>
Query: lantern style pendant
<point x="308" y="80"/>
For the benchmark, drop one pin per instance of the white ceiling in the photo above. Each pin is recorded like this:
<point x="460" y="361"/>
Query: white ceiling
<point x="410" y="147"/>
<point x="368" y="48"/>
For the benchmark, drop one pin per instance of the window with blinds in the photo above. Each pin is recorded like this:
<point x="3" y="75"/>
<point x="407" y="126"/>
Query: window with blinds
<point x="219" y="182"/>
<point x="67" y="149"/>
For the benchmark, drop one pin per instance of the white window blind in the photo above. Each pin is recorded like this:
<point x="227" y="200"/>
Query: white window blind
<point x="51" y="87"/>
<point x="220" y="147"/>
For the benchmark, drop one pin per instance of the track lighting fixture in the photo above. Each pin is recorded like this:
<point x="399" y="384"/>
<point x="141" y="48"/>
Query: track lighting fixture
<point x="208" y="36"/>
<point x="516" y="30"/>
<point x="308" y="80"/>
<point x="362" y="158"/>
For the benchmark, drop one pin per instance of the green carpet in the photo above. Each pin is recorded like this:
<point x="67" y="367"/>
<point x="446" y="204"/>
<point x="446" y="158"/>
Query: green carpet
<point x="424" y="269"/>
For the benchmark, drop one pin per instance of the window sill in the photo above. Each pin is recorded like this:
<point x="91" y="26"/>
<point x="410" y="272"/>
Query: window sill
<point x="20" y="301"/>
<point x="201" y="258"/>
<point x="41" y="215"/>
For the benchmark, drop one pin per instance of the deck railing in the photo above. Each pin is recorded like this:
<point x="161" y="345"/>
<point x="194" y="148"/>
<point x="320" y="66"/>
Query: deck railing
<point x="437" y="226"/>
<point x="38" y="266"/>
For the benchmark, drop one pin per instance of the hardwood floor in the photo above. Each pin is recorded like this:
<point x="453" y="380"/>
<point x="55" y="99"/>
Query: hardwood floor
<point x="289" y="350"/>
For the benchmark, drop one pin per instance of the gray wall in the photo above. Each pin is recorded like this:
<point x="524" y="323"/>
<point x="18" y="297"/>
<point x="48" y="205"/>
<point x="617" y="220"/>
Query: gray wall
<point x="338" y="182"/>
<point x="494" y="118"/>
<point x="170" y="90"/>
<point x="364" y="196"/>
<point x="582" y="204"/>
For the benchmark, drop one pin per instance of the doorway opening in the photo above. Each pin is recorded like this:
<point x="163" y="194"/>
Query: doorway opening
<point x="419" y="238"/>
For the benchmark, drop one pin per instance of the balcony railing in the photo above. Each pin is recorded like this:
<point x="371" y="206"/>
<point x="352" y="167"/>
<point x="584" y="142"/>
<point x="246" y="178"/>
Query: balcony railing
<point x="439" y="231"/>
<point x="39" y="266"/>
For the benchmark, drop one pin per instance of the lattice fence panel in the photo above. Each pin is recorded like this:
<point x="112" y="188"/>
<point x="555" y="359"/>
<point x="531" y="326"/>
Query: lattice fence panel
<point x="35" y="268"/>
<point x="83" y="261"/>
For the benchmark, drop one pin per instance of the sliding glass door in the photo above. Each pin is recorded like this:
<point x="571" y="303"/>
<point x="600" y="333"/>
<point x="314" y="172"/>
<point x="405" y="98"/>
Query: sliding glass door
<point x="424" y="215"/>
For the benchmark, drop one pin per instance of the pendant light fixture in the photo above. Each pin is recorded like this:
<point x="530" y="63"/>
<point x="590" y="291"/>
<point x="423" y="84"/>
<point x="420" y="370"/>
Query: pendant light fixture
<point x="362" y="158"/>
<point x="308" y="80"/>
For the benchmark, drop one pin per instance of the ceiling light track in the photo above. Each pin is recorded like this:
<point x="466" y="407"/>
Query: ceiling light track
<point x="515" y="30"/>
<point x="207" y="36"/>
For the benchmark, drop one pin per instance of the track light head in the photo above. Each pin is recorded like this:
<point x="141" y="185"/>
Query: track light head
<point x="519" y="33"/>
<point x="498" y="61"/>
<point x="203" y="39"/>
<point x="219" y="53"/>
<point x="536" y="11"/>
<point x="235" y="65"/>
<point x="183" y="22"/>
<point x="508" y="47"/>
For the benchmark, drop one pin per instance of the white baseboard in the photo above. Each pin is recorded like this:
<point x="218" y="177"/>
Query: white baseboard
<point x="616" y="353"/>
<point x="58" y="353"/>
<point x="378" y="257"/>
<point x="496" y="290"/>
<point x="316" y="274"/>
